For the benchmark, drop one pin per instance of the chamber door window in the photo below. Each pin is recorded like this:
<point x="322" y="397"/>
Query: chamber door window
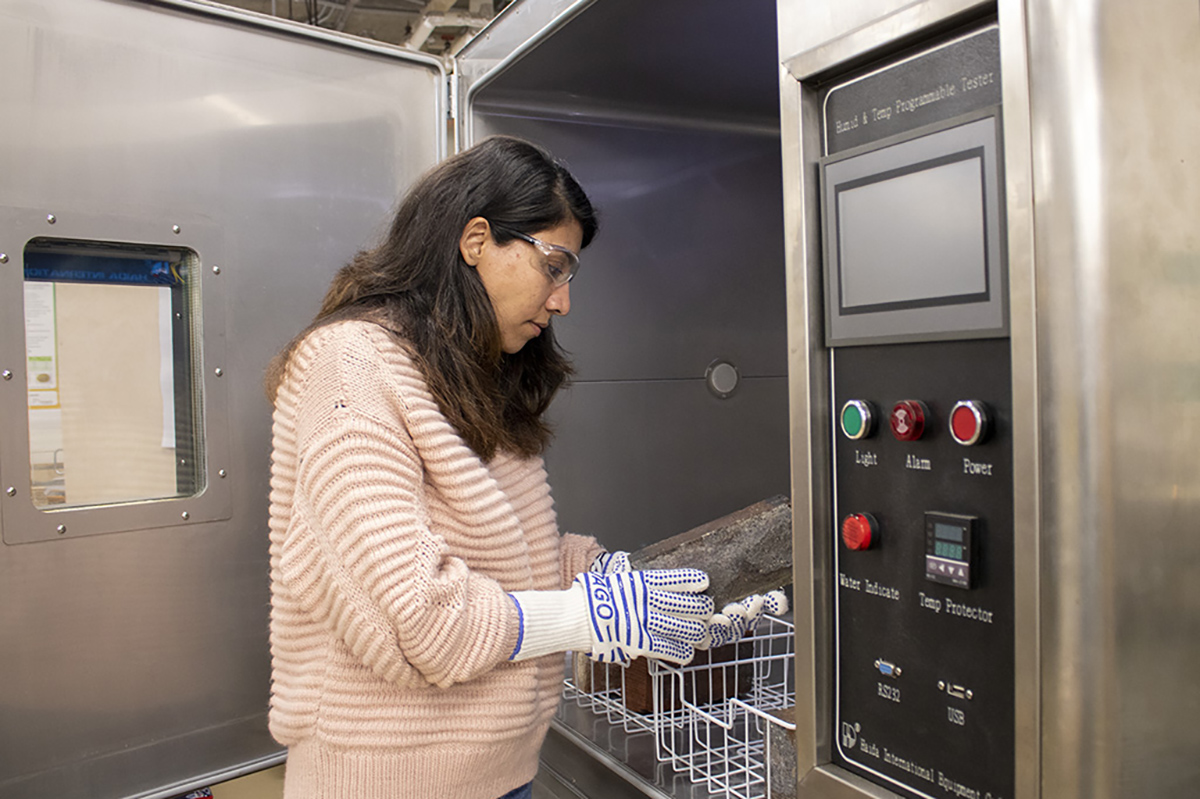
<point x="114" y="405"/>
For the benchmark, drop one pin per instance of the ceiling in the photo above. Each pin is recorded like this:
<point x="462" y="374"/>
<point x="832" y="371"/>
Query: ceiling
<point x="695" y="60"/>
<point x="441" y="27"/>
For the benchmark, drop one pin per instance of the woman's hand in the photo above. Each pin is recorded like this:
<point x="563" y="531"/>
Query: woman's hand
<point x="660" y="614"/>
<point x="610" y="563"/>
<point x="738" y="619"/>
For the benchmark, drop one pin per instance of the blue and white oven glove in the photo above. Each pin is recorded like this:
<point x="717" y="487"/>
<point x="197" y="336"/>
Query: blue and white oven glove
<point x="617" y="617"/>
<point x="611" y="563"/>
<point x="739" y="619"/>
<point x="735" y="621"/>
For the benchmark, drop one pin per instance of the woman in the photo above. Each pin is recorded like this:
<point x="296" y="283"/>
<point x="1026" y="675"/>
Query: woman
<point x="419" y="583"/>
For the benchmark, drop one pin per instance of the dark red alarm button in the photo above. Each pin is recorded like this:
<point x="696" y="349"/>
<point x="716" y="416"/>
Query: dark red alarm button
<point x="859" y="530"/>
<point x="908" y="419"/>
<point x="969" y="422"/>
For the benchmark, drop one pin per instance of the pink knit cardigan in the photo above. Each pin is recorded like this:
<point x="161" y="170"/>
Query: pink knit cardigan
<point x="392" y="549"/>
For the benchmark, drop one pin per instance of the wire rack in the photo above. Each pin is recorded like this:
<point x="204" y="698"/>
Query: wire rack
<point x="710" y="718"/>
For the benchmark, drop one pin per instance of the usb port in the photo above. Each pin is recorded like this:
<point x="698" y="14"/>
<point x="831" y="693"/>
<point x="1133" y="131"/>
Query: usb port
<point x="887" y="669"/>
<point x="956" y="691"/>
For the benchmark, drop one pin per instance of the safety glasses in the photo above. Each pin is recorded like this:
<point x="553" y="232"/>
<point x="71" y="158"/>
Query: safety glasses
<point x="559" y="263"/>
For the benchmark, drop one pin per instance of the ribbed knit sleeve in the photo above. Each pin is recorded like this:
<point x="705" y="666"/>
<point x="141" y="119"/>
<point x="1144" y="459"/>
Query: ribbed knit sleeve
<point x="578" y="552"/>
<point x="360" y="556"/>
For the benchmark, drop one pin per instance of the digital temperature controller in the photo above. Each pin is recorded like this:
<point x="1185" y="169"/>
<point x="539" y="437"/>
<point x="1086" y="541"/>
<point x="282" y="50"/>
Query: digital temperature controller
<point x="949" y="548"/>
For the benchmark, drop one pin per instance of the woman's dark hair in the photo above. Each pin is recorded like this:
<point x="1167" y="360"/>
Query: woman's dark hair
<point x="416" y="284"/>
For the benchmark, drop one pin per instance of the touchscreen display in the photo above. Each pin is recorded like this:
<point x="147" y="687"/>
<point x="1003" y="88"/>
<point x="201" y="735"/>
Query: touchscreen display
<point x="913" y="237"/>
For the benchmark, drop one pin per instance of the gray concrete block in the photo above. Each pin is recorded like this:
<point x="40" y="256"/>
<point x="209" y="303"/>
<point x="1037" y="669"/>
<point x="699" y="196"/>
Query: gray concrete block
<point x="782" y="761"/>
<point x="748" y="551"/>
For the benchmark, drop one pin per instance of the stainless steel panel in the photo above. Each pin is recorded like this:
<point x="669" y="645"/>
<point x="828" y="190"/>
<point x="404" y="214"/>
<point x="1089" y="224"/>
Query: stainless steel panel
<point x="835" y="783"/>
<point x="1026" y="476"/>
<point x="816" y="36"/>
<point x="810" y="400"/>
<point x="136" y="663"/>
<point x="804" y="26"/>
<point x="672" y="60"/>
<point x="635" y="462"/>
<point x="687" y="267"/>
<point x="599" y="759"/>
<point x="1115" y="176"/>
<point x="678" y="148"/>
<point x="516" y="27"/>
<point x="516" y="30"/>
<point x="1101" y="169"/>
<point x="814" y="45"/>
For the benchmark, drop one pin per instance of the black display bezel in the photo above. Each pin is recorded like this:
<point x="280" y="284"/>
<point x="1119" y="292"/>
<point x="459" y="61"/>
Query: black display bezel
<point x="976" y="315"/>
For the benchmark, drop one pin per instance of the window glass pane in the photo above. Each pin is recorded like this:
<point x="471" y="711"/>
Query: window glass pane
<point x="113" y="374"/>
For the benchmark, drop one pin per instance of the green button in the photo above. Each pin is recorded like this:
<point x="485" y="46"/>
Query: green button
<point x="852" y="421"/>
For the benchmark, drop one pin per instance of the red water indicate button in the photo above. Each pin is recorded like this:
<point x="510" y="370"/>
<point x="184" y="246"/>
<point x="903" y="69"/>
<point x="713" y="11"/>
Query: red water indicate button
<point x="908" y="419"/>
<point x="969" y="422"/>
<point x="859" y="531"/>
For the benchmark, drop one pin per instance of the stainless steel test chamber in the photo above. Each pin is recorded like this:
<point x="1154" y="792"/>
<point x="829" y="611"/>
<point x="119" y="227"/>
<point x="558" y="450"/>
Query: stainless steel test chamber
<point x="133" y="632"/>
<point x="1080" y="626"/>
<point x="133" y="654"/>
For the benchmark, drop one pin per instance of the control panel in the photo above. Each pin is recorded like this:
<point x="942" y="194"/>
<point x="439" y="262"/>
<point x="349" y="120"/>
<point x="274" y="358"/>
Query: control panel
<point x="923" y="568"/>
<point x="917" y="326"/>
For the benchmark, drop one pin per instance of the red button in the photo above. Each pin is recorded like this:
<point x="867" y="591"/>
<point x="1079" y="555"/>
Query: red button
<point x="969" y="422"/>
<point x="859" y="530"/>
<point x="908" y="420"/>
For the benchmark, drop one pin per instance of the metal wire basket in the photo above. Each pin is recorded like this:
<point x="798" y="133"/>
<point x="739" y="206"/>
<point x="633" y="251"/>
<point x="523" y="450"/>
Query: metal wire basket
<point x="709" y="719"/>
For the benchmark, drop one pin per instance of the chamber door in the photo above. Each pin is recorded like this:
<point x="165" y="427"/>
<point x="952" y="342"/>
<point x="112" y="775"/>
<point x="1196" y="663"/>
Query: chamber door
<point x="181" y="185"/>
